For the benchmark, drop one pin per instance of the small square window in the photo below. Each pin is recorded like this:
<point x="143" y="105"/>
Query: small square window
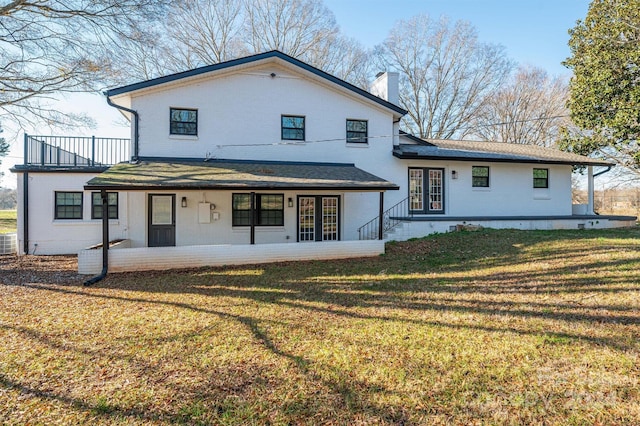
<point x="480" y="176"/>
<point x="357" y="131"/>
<point x="183" y="121"/>
<point x="292" y="128"/>
<point x="540" y="178"/>
<point x="68" y="205"/>
<point x="96" y="205"/>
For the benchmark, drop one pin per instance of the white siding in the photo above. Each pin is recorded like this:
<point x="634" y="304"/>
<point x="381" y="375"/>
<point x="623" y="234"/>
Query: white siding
<point x="50" y="236"/>
<point x="239" y="117"/>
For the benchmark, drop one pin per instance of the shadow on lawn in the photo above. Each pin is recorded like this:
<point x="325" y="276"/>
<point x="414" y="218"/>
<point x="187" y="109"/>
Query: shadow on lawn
<point x="395" y="284"/>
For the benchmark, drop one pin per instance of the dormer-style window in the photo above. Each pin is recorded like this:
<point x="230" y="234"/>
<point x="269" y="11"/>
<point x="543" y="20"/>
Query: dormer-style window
<point x="292" y="128"/>
<point x="183" y="121"/>
<point x="357" y="131"/>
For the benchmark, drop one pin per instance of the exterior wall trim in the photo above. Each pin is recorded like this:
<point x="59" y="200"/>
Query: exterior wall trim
<point x="162" y="258"/>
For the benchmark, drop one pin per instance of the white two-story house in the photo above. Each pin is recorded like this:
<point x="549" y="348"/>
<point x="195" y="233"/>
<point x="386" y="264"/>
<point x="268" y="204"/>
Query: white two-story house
<point x="267" y="158"/>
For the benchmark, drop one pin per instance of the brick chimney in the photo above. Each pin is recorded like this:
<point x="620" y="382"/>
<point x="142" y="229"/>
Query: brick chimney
<point x="386" y="86"/>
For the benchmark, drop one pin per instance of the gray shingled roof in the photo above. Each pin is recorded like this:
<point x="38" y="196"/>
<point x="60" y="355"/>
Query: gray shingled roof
<point x="492" y="151"/>
<point x="236" y="175"/>
<point x="250" y="59"/>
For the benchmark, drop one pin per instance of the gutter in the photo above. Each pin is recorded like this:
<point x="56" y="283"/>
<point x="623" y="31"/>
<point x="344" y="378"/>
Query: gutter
<point x="136" y="119"/>
<point x="603" y="171"/>
<point x="105" y="241"/>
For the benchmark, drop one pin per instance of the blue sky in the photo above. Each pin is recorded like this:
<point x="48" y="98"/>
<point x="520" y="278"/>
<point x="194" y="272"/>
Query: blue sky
<point x="534" y="32"/>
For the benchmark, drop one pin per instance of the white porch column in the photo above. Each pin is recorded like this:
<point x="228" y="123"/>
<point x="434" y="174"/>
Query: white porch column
<point x="590" y="190"/>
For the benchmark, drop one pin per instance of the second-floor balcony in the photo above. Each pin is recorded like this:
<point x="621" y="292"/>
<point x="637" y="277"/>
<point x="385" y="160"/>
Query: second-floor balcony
<point x="75" y="151"/>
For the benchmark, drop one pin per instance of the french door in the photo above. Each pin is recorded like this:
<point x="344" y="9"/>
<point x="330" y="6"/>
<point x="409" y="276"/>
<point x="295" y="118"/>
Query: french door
<point x="426" y="190"/>
<point x="318" y="218"/>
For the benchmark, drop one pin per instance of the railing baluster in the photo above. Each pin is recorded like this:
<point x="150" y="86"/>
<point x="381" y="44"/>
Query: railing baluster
<point x="74" y="150"/>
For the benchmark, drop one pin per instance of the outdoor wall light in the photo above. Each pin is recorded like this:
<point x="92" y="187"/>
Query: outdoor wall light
<point x="290" y="202"/>
<point x="454" y="174"/>
<point x="184" y="202"/>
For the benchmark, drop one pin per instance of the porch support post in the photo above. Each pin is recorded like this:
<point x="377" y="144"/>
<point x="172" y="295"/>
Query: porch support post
<point x="252" y="222"/>
<point x="105" y="240"/>
<point x="105" y="228"/>
<point x="25" y="212"/>
<point x="590" y="190"/>
<point x="380" y="218"/>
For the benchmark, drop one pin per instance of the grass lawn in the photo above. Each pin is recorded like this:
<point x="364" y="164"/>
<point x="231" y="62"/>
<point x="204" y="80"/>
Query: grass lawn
<point x="487" y="327"/>
<point x="8" y="221"/>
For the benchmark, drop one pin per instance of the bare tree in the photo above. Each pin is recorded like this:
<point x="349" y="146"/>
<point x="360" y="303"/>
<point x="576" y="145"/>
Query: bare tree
<point x="445" y="74"/>
<point x="49" y="47"/>
<point x="530" y="109"/>
<point x="205" y="32"/>
<point x="294" y="27"/>
<point x="202" y="32"/>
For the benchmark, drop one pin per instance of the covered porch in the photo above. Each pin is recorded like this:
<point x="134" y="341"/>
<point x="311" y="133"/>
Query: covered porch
<point x="198" y="212"/>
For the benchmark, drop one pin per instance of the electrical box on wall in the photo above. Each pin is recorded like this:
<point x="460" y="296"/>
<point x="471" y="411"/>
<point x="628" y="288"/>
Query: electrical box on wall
<point x="204" y="212"/>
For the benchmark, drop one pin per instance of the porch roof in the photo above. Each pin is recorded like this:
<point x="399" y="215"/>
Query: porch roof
<point x="492" y="152"/>
<point x="198" y="174"/>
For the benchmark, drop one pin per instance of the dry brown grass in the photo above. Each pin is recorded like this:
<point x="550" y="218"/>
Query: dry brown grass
<point x="497" y="327"/>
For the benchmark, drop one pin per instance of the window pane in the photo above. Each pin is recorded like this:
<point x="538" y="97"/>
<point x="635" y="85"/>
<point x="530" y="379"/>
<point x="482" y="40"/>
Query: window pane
<point x="293" y="122"/>
<point x="435" y="190"/>
<point x="357" y="131"/>
<point x="480" y="176"/>
<point x="415" y="189"/>
<point x="96" y="205"/>
<point x="183" y="121"/>
<point x="241" y="201"/>
<point x="162" y="210"/>
<point x="292" y="128"/>
<point x="540" y="178"/>
<point x="68" y="205"/>
<point x="241" y="218"/>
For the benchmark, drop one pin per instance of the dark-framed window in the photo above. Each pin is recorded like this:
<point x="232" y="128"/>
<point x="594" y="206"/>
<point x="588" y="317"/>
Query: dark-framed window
<point x="183" y="121"/>
<point x="480" y="176"/>
<point x="292" y="127"/>
<point x="68" y="205"/>
<point x="540" y="178"/>
<point x="96" y="205"/>
<point x="268" y="209"/>
<point x="357" y="131"/>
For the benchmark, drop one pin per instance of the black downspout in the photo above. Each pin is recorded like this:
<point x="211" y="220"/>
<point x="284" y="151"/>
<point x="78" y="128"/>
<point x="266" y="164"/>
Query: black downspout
<point x="380" y="218"/>
<point x="25" y="211"/>
<point x="105" y="240"/>
<point x="134" y="157"/>
<point x="603" y="171"/>
<point x="252" y="222"/>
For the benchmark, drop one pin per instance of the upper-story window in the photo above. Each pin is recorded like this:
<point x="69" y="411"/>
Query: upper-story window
<point x="480" y="176"/>
<point x="183" y="121"/>
<point x="357" y="131"/>
<point x="292" y="128"/>
<point x="540" y="178"/>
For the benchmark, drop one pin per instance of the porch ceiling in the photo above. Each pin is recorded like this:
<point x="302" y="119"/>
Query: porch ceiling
<point x="184" y="174"/>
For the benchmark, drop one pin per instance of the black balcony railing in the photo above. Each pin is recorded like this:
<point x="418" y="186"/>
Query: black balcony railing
<point x="80" y="151"/>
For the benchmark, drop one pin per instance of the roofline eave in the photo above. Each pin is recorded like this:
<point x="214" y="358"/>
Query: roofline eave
<point x="111" y="187"/>
<point x="120" y="91"/>
<point x="405" y="156"/>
